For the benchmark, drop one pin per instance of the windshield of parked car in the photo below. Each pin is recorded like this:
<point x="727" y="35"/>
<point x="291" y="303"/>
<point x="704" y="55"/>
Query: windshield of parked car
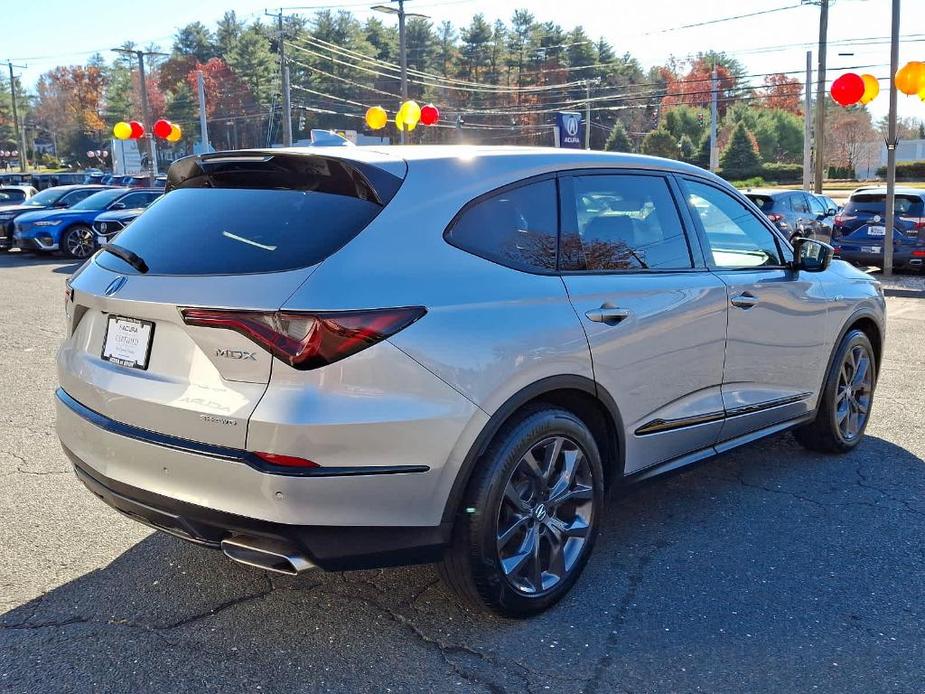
<point x="98" y="201"/>
<point x="47" y="197"/>
<point x="875" y="203"/>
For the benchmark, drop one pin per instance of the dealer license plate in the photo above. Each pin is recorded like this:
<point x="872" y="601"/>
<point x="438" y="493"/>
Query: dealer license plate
<point x="128" y="341"/>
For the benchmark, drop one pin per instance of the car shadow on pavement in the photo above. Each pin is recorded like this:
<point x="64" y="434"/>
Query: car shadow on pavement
<point x="17" y="259"/>
<point x="769" y="555"/>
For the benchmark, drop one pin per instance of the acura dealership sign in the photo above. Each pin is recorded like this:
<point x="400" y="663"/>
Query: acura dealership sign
<point x="568" y="129"/>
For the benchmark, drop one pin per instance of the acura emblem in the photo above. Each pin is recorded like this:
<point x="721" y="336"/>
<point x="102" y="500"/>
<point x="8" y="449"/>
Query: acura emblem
<point x="114" y="286"/>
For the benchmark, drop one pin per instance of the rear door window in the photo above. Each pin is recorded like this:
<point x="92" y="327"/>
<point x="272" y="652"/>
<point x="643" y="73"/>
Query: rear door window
<point x="624" y="222"/>
<point x="516" y="227"/>
<point x="798" y="204"/>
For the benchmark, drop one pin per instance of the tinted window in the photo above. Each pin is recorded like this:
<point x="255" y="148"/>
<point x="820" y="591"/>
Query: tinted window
<point x="798" y="204"/>
<point x="79" y="195"/>
<point x="133" y="200"/>
<point x="736" y="237"/>
<point x="11" y="195"/>
<point x="764" y="202"/>
<point x="516" y="227"/>
<point x="200" y="231"/>
<point x="875" y="203"/>
<point x="624" y="222"/>
<point x="816" y="205"/>
<point x="48" y="196"/>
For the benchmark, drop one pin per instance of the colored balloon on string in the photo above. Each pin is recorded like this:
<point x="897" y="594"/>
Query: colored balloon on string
<point x="430" y="114"/>
<point x="848" y="89"/>
<point x="871" y="88"/>
<point x="175" y="133"/>
<point x="122" y="130"/>
<point x="910" y="78"/>
<point x="162" y="128"/>
<point x="376" y="118"/>
<point x="138" y="130"/>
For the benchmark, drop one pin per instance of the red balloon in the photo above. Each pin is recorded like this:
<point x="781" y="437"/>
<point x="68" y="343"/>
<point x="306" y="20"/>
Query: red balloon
<point x="162" y="128"/>
<point x="138" y="129"/>
<point x="848" y="89"/>
<point x="430" y="114"/>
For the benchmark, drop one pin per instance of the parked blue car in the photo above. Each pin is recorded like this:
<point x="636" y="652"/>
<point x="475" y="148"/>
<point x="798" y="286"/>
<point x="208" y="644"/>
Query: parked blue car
<point x="71" y="230"/>
<point x="57" y="197"/>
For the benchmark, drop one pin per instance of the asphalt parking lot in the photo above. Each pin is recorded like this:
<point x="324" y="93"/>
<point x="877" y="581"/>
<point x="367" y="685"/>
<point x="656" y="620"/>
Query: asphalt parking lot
<point x="769" y="569"/>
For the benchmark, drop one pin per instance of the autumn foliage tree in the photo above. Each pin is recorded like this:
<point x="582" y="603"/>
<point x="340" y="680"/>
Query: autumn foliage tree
<point x="694" y="87"/>
<point x="782" y="92"/>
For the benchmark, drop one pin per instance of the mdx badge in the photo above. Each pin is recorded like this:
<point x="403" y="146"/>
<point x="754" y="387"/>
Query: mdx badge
<point x="235" y="354"/>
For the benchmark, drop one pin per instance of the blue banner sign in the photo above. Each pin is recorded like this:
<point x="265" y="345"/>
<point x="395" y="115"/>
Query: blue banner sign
<point x="568" y="129"/>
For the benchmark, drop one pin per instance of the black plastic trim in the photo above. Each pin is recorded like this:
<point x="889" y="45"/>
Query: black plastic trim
<point x="657" y="426"/>
<point x="334" y="548"/>
<point x="766" y="405"/>
<point x="236" y="455"/>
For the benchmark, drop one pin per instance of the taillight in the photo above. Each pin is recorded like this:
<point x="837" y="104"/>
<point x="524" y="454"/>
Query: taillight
<point x="309" y="340"/>
<point x="916" y="222"/>
<point x="775" y="217"/>
<point x="918" y="254"/>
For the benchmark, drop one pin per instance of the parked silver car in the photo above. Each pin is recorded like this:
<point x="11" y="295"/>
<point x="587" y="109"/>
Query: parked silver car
<point x="359" y="357"/>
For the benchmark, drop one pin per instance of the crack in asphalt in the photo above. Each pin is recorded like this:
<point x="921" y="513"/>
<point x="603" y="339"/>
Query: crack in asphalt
<point x="619" y="618"/>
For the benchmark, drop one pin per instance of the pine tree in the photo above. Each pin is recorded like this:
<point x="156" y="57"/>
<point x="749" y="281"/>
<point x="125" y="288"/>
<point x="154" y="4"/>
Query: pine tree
<point x="618" y="140"/>
<point x="686" y="148"/>
<point x="660" y="143"/>
<point x="701" y="157"/>
<point x="740" y="158"/>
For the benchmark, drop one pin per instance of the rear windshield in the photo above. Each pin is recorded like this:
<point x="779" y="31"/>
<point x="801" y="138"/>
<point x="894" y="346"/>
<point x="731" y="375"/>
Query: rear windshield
<point x="764" y="202"/>
<point x="875" y="203"/>
<point x="202" y="231"/>
<point x="8" y="195"/>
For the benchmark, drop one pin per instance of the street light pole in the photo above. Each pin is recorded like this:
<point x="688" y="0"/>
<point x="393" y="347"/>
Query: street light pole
<point x="20" y="135"/>
<point x="891" y="142"/>
<point x="402" y="46"/>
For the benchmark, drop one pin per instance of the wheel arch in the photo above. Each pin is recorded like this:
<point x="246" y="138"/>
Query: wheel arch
<point x="578" y="394"/>
<point x="866" y="321"/>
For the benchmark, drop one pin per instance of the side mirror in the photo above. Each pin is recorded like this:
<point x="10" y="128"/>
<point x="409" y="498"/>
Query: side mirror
<point x="62" y="204"/>
<point x="117" y="206"/>
<point x="811" y="255"/>
<point x="831" y="212"/>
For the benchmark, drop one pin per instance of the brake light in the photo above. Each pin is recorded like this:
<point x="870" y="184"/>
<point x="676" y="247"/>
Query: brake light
<point x="775" y="217"/>
<point x="308" y="340"/>
<point x="916" y="222"/>
<point x="918" y="254"/>
<point x="284" y="460"/>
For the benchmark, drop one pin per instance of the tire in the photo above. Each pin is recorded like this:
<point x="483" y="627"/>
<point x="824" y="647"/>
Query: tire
<point x="507" y="495"/>
<point x="78" y="242"/>
<point x="843" y="412"/>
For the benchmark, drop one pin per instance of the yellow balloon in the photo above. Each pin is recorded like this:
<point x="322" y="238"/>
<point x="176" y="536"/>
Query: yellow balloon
<point x="175" y="133"/>
<point x="376" y="118"/>
<point x="412" y="113"/>
<point x="922" y="93"/>
<point x="122" y="130"/>
<point x="910" y="78"/>
<point x="871" y="88"/>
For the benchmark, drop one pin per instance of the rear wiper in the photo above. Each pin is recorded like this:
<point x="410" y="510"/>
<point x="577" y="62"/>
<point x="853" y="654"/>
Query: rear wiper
<point x="128" y="256"/>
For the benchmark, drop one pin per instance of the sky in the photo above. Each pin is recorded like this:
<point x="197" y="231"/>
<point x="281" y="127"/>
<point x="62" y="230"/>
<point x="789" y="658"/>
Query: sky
<point x="52" y="32"/>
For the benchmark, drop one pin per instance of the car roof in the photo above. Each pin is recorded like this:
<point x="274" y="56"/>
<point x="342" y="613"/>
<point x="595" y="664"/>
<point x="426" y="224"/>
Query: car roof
<point x="881" y="190"/>
<point x="531" y="157"/>
<point x="17" y="187"/>
<point x="770" y="192"/>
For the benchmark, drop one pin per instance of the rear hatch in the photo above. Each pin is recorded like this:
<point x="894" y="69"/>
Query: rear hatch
<point x="861" y="225"/>
<point x="237" y="231"/>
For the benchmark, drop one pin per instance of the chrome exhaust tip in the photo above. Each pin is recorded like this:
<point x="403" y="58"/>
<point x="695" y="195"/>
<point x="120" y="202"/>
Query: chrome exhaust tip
<point x="266" y="554"/>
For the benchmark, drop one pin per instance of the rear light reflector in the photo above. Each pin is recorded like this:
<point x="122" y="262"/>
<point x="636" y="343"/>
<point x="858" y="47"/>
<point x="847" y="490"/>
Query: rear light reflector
<point x="774" y="217"/>
<point x="284" y="460"/>
<point x="309" y="340"/>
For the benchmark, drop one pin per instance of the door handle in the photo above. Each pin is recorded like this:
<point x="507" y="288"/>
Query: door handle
<point x="607" y="314"/>
<point x="744" y="300"/>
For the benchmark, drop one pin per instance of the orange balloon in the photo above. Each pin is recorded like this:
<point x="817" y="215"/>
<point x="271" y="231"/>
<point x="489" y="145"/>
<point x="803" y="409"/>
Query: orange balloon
<point x="910" y="78"/>
<point x="871" y="88"/>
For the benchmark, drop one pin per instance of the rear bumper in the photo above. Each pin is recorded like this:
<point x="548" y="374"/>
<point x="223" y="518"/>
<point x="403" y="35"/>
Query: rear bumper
<point x="901" y="257"/>
<point x="331" y="548"/>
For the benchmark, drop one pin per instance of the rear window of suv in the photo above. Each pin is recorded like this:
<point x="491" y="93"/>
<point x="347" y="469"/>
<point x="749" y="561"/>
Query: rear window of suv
<point x="875" y="203"/>
<point x="764" y="202"/>
<point x="246" y="218"/>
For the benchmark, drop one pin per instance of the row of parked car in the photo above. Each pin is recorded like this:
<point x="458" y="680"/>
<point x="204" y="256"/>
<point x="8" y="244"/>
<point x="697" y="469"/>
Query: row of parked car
<point x="857" y="230"/>
<point x="73" y="219"/>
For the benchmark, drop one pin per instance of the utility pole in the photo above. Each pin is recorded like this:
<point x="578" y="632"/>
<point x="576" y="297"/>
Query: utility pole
<point x="145" y="114"/>
<point x="587" y="114"/>
<point x="20" y="134"/>
<point x="891" y="143"/>
<point x="714" y="116"/>
<point x="808" y="125"/>
<point x="283" y="78"/>
<point x="203" y="123"/>
<point x="820" y="95"/>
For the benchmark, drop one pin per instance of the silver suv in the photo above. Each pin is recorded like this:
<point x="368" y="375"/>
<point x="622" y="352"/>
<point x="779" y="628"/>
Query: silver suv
<point x="371" y="356"/>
